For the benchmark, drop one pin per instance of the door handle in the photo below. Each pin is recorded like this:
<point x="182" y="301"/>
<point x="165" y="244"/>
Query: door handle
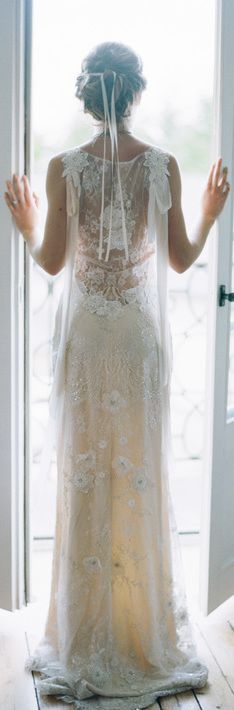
<point x="223" y="296"/>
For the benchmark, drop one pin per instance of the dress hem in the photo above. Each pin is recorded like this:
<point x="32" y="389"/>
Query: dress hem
<point x="60" y="684"/>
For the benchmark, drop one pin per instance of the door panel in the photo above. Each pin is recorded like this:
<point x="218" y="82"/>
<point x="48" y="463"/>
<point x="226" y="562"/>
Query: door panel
<point x="217" y="528"/>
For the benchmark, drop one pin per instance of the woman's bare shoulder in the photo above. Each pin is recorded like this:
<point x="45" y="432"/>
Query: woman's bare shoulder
<point x="56" y="165"/>
<point x="56" y="159"/>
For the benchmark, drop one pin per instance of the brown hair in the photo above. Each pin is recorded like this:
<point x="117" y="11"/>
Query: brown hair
<point x="108" y="57"/>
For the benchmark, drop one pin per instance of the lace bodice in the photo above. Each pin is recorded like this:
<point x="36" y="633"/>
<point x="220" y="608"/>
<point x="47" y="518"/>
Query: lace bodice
<point x="117" y="279"/>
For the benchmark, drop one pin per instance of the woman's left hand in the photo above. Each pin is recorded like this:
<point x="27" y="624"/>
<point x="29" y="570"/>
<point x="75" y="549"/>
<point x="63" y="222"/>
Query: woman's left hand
<point x="25" y="211"/>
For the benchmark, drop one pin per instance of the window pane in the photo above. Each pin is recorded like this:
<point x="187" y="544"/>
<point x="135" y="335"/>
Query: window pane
<point x="177" y="48"/>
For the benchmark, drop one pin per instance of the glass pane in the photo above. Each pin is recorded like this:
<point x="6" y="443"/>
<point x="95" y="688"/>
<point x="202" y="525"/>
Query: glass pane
<point x="175" y="113"/>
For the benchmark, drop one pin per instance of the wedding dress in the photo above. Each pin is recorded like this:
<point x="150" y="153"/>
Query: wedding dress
<point x="118" y="633"/>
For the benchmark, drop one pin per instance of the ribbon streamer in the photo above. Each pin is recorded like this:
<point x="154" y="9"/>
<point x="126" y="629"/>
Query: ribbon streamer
<point x="112" y="123"/>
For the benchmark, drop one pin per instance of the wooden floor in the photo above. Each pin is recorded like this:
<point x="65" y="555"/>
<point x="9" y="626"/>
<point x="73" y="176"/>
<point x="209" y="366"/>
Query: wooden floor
<point x="215" y="640"/>
<point x="20" y="631"/>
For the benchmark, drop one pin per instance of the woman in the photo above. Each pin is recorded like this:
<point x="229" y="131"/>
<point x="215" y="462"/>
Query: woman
<point x="117" y="633"/>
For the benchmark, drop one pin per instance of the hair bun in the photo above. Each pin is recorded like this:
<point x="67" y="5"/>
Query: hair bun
<point x="108" y="72"/>
<point x="109" y="58"/>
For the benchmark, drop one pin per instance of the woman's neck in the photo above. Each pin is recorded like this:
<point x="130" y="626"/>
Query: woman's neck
<point x="123" y="126"/>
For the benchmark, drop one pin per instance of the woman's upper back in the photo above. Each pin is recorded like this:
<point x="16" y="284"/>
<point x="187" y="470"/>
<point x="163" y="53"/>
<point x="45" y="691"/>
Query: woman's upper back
<point x="101" y="222"/>
<point x="128" y="147"/>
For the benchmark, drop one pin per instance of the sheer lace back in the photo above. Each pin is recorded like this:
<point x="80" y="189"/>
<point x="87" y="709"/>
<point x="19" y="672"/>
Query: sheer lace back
<point x="118" y="278"/>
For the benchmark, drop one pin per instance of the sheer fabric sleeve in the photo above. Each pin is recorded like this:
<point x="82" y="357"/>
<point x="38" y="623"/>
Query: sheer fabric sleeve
<point x="159" y="203"/>
<point x="63" y="312"/>
<point x="62" y="320"/>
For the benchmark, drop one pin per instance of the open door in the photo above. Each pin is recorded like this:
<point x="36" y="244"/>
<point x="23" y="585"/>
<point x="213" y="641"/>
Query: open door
<point x="217" y="519"/>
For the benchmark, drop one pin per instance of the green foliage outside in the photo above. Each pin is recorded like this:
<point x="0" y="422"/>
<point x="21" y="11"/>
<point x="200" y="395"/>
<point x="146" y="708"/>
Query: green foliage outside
<point x="190" y="143"/>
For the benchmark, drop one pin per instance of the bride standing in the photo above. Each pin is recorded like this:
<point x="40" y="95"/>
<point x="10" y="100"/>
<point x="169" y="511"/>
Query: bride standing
<point x="117" y="633"/>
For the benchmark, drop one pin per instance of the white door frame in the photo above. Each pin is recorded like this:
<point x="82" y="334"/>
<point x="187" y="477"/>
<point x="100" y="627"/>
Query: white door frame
<point x="14" y="142"/>
<point x="217" y="518"/>
<point x="15" y="151"/>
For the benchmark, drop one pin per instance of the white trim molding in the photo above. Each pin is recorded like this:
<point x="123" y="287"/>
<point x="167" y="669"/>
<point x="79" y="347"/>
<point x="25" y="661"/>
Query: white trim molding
<point x="14" y="18"/>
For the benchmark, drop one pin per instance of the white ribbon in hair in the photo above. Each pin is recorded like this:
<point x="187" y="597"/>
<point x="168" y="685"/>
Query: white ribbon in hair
<point x="114" y="145"/>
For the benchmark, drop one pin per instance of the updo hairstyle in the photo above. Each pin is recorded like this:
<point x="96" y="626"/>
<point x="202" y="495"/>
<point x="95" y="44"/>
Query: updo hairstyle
<point x="104" y="58"/>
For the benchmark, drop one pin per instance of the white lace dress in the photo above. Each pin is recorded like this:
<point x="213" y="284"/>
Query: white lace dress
<point x="118" y="633"/>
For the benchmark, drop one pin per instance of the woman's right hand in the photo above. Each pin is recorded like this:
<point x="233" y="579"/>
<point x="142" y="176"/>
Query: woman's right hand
<point x="216" y="192"/>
